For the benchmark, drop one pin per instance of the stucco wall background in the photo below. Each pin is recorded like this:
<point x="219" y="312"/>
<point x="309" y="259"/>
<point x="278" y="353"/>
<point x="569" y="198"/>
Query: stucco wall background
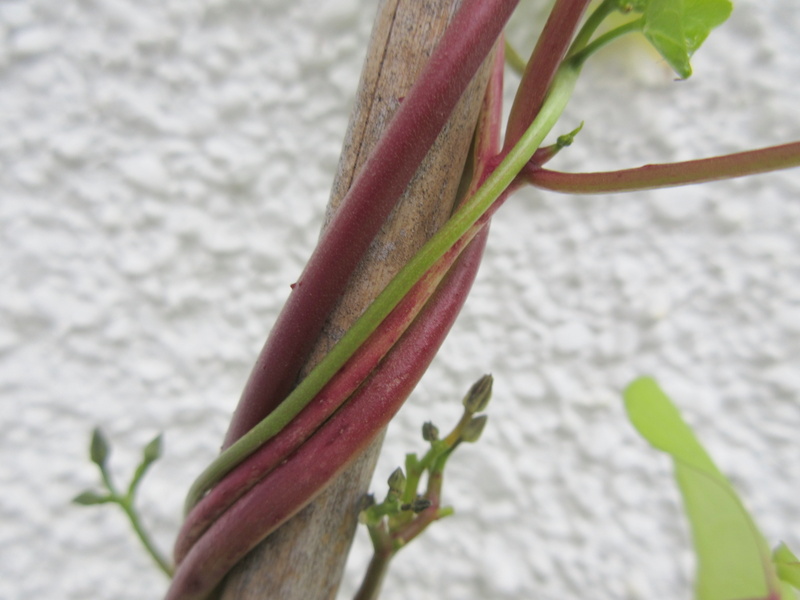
<point x="165" y="170"/>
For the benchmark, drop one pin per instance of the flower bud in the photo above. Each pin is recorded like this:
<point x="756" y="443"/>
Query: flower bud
<point x="397" y="481"/>
<point x="153" y="450"/>
<point x="98" y="449"/>
<point x="472" y="432"/>
<point x="479" y="395"/>
<point x="366" y="501"/>
<point x="417" y="505"/>
<point x="430" y="433"/>
<point x="89" y="498"/>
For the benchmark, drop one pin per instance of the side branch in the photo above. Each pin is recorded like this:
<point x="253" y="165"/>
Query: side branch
<point x="657" y="176"/>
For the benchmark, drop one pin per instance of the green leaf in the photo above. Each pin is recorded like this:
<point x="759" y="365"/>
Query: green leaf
<point x="677" y="28"/>
<point x="98" y="448"/>
<point x="787" y="564"/>
<point x="90" y="498"/>
<point x="732" y="557"/>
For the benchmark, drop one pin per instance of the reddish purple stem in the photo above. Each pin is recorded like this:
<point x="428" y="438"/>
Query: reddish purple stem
<point x="550" y="50"/>
<point x="232" y="518"/>
<point x="667" y="175"/>
<point x="393" y="162"/>
<point x="292" y="468"/>
<point x="295" y="482"/>
<point x="337" y="391"/>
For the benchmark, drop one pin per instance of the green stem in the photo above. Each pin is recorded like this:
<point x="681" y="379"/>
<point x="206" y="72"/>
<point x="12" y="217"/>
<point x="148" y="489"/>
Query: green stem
<point x="454" y="435"/>
<point x="608" y="37"/>
<point x="590" y="26"/>
<point x="386" y="549"/>
<point x="107" y="481"/>
<point x="133" y="517"/>
<point x="458" y="225"/>
<point x="414" y="473"/>
<point x="514" y="60"/>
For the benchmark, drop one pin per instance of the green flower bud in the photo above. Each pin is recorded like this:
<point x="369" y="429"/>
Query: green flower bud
<point x="152" y="452"/>
<point x="88" y="498"/>
<point x="472" y="432"/>
<point x="430" y="433"/>
<point x="420" y="504"/>
<point x="397" y="481"/>
<point x="479" y="395"/>
<point x="98" y="449"/>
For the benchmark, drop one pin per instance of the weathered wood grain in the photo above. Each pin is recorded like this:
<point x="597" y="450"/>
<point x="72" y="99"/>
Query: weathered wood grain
<point x="304" y="559"/>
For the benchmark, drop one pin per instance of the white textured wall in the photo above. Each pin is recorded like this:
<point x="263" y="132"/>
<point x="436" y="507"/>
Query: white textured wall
<point x="165" y="167"/>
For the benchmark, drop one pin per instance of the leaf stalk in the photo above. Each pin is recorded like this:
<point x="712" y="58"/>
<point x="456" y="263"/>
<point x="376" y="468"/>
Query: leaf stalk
<point x="728" y="166"/>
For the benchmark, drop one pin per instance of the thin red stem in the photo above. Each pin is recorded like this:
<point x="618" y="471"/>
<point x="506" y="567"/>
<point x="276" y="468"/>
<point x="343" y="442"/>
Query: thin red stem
<point x="667" y="175"/>
<point x="259" y="464"/>
<point x="550" y="50"/>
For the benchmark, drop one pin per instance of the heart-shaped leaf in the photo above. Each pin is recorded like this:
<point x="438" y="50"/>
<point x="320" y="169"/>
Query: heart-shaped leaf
<point x="677" y="28"/>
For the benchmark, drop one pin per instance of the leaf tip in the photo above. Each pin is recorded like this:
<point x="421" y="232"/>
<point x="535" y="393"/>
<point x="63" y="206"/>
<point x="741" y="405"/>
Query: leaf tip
<point x="641" y="387"/>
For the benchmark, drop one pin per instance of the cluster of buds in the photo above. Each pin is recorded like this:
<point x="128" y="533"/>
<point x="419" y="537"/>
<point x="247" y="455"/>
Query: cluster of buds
<point x="406" y="512"/>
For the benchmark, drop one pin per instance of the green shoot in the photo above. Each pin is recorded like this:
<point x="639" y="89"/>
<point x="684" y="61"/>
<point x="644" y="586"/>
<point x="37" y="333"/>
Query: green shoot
<point x="99" y="451"/>
<point x="406" y="511"/>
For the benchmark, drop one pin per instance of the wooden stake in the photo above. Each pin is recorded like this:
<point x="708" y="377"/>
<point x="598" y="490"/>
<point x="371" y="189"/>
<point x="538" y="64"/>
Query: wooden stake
<point x="304" y="559"/>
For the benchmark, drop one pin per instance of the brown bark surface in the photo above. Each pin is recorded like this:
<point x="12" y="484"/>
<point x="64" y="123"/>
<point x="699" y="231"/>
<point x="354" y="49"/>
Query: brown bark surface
<point x="304" y="559"/>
